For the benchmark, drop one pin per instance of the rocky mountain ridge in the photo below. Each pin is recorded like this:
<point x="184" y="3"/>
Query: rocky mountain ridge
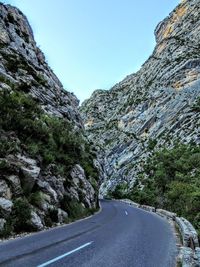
<point x="47" y="171"/>
<point x="24" y="64"/>
<point x="152" y="108"/>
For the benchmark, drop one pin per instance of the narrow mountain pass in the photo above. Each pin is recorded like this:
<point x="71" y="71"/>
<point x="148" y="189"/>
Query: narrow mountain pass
<point x="118" y="236"/>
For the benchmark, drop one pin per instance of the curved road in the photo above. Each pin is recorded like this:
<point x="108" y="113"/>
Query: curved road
<point x="118" y="236"/>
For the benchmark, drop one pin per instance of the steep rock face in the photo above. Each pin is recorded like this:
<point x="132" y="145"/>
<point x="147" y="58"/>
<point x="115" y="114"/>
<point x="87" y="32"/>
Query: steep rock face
<point x="41" y="137"/>
<point x="153" y="107"/>
<point x="23" y="64"/>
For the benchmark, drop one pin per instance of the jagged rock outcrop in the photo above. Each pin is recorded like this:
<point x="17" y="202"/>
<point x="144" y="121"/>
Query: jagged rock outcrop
<point x="41" y="135"/>
<point x="23" y="64"/>
<point x="153" y="107"/>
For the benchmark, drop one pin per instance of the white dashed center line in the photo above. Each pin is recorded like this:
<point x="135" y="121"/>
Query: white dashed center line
<point x="64" y="255"/>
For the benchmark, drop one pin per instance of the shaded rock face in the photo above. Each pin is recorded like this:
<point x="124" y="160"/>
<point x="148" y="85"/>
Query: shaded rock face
<point x="81" y="185"/>
<point x="23" y="69"/>
<point x="153" y="107"/>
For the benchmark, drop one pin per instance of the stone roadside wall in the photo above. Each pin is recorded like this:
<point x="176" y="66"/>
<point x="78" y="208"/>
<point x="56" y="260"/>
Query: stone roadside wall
<point x="189" y="254"/>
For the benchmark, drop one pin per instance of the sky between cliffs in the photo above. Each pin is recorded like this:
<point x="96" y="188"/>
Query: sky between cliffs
<point x="93" y="44"/>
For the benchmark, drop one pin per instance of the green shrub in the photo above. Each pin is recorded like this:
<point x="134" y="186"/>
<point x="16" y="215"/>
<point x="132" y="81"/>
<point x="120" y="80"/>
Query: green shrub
<point x="21" y="215"/>
<point x="7" y="230"/>
<point x="33" y="149"/>
<point x="94" y="183"/>
<point x="4" y="165"/>
<point x="179" y="263"/>
<point x="74" y="209"/>
<point x="53" y="215"/>
<point x="60" y="170"/>
<point x="19" y="219"/>
<point x="89" y="168"/>
<point x="7" y="147"/>
<point x="5" y="80"/>
<point x="36" y="198"/>
<point x="48" y="221"/>
<point x="41" y="80"/>
<point x="152" y="143"/>
<point x="48" y="156"/>
<point x="196" y="106"/>
<point x="119" y="191"/>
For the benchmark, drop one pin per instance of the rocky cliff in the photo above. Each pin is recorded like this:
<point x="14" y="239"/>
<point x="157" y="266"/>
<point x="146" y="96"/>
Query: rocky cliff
<point x="153" y="108"/>
<point x="47" y="171"/>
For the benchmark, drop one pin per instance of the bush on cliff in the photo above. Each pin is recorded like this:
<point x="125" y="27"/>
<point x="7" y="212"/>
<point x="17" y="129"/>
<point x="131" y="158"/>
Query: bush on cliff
<point x="119" y="192"/>
<point x="196" y="106"/>
<point x="19" y="219"/>
<point x="21" y="215"/>
<point x="50" y="138"/>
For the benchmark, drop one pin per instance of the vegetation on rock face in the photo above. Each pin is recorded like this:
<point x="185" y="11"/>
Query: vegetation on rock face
<point x="119" y="192"/>
<point x="51" y="138"/>
<point x="196" y="106"/>
<point x="25" y="127"/>
<point x="75" y="209"/>
<point x="45" y="157"/>
<point x="19" y="219"/>
<point x="171" y="180"/>
<point x="21" y="215"/>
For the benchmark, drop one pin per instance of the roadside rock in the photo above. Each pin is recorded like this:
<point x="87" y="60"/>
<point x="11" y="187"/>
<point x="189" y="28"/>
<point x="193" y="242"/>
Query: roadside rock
<point x="62" y="216"/>
<point x="5" y="207"/>
<point x="30" y="172"/>
<point x="15" y="184"/>
<point x="36" y="222"/>
<point x="47" y="189"/>
<point x="5" y="190"/>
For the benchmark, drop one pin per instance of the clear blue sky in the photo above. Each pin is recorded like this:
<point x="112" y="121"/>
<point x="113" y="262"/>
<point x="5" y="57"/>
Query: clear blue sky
<point x="92" y="44"/>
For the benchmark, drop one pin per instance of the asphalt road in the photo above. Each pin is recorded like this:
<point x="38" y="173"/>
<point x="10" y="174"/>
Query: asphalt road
<point x="118" y="236"/>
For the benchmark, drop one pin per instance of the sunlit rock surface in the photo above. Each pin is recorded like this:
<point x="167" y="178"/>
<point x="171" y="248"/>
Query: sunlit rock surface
<point x="154" y="104"/>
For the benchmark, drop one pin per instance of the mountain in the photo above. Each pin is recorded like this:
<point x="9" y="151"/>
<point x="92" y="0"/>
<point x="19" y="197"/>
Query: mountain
<point x="146" y="127"/>
<point x="47" y="168"/>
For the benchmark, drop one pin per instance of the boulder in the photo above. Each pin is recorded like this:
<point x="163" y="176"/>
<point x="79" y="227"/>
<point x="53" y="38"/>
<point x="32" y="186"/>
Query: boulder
<point x="5" y="207"/>
<point x="46" y="188"/>
<point x="62" y="216"/>
<point x="187" y="257"/>
<point x="197" y="254"/>
<point x="15" y="184"/>
<point x="4" y="37"/>
<point x="82" y="186"/>
<point x="56" y="183"/>
<point x="30" y="172"/>
<point x="5" y="190"/>
<point x="36" y="221"/>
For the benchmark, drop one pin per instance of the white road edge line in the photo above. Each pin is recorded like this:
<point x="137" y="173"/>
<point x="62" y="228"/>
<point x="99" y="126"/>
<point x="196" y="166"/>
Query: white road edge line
<point x="65" y="255"/>
<point x="126" y="212"/>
